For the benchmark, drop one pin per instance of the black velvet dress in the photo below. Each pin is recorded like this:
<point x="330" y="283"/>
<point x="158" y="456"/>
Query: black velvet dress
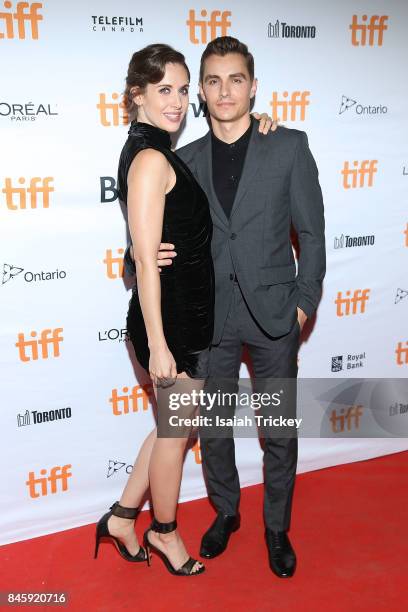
<point x="187" y="285"/>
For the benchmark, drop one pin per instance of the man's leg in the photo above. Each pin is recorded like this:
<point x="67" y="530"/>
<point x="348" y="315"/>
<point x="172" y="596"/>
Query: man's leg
<point x="218" y="454"/>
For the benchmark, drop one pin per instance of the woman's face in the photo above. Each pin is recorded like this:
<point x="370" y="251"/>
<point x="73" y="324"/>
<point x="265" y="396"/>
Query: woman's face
<point x="165" y="104"/>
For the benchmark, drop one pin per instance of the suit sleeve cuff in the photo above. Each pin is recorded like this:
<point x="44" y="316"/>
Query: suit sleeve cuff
<point x="307" y="307"/>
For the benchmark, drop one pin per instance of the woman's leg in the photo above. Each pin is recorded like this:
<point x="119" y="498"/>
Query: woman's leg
<point x="165" y="471"/>
<point x="132" y="495"/>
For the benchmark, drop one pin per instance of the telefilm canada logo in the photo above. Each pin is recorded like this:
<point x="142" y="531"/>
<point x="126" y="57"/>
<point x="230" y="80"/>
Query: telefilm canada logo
<point x="349" y="104"/>
<point x="19" y="112"/>
<point x="10" y="272"/>
<point x="35" y="417"/>
<point x="281" y="29"/>
<point x="101" y="23"/>
<point x="348" y="362"/>
<point x="346" y="241"/>
<point x="115" y="466"/>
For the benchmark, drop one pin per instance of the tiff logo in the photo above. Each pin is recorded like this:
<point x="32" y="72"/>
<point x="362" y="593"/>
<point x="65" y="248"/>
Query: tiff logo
<point x="57" y="474"/>
<point x="24" y="13"/>
<point x="196" y="449"/>
<point x="375" y="28"/>
<point x="114" y="265"/>
<point x="110" y="112"/>
<point x="356" y="177"/>
<point x="402" y="353"/>
<point x="16" y="197"/>
<point x="298" y="102"/>
<point x="347" y="419"/>
<point x="28" y="349"/>
<point x="137" y="398"/>
<point x="217" y="25"/>
<point x="350" y="305"/>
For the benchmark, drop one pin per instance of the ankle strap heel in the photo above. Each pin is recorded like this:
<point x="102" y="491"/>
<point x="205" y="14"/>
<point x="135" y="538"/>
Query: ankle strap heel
<point x="163" y="527"/>
<point x="123" y="512"/>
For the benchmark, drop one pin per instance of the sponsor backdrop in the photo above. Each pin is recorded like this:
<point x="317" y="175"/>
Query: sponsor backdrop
<point x="75" y="405"/>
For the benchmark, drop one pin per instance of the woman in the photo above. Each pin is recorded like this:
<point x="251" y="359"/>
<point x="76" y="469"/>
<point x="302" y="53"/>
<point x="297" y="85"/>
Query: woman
<point x="170" y="318"/>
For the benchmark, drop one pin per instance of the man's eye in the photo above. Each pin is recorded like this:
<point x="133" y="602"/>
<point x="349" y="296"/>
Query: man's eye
<point x="212" y="81"/>
<point x="237" y="80"/>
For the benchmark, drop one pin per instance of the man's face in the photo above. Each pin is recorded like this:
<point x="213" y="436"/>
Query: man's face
<point x="227" y="87"/>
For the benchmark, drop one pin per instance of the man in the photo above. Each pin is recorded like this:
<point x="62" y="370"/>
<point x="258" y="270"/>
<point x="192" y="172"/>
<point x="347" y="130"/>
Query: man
<point x="256" y="185"/>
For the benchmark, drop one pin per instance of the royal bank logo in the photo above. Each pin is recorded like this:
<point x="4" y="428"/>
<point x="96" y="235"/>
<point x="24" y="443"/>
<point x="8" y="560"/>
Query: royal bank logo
<point x="115" y="466"/>
<point x="28" y="111"/>
<point x="36" y="417"/>
<point x="361" y="109"/>
<point x="282" y="29"/>
<point x="10" y="272"/>
<point x="400" y="295"/>
<point x="352" y="361"/>
<point x="345" y="241"/>
<point x="101" y="23"/>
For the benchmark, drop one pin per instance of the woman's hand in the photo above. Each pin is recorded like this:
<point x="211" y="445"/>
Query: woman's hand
<point x="266" y="123"/>
<point x="162" y="366"/>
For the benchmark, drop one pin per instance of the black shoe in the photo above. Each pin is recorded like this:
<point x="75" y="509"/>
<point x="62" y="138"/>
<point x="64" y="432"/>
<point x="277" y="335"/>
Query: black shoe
<point x="282" y="557"/>
<point x="215" y="540"/>
<point x="187" y="568"/>
<point x="102" y="531"/>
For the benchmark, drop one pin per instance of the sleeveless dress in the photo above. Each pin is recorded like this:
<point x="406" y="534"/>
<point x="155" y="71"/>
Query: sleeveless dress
<point x="187" y="285"/>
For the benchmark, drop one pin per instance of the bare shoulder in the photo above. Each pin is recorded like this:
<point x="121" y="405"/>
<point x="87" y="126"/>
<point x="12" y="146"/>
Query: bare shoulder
<point x="147" y="164"/>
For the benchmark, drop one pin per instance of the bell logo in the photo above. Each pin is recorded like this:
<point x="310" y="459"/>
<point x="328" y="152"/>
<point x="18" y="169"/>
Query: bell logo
<point x="196" y="449"/>
<point x="16" y="197"/>
<point x="57" y="473"/>
<point x="25" y="12"/>
<point x="350" y="305"/>
<point x="218" y="25"/>
<point x="346" y="420"/>
<point x="406" y="235"/>
<point x="402" y="354"/>
<point x="297" y="102"/>
<point x="356" y="177"/>
<point x="137" y="398"/>
<point x="28" y="349"/>
<point x="375" y="28"/>
<point x="110" y="112"/>
<point x="114" y="265"/>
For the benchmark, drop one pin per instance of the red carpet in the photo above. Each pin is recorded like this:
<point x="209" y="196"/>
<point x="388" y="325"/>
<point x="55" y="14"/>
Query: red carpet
<point x="349" y="530"/>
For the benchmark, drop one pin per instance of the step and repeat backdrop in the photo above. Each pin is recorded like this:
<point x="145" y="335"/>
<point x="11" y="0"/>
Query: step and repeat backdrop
<point x="75" y="404"/>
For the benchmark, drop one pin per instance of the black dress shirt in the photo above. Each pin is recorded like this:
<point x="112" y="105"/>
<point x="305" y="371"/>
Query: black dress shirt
<point x="227" y="164"/>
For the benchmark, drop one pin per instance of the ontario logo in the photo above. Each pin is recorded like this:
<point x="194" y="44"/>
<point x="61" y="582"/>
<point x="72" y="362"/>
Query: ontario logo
<point x="10" y="272"/>
<point x="361" y="109"/>
<point x="115" y="466"/>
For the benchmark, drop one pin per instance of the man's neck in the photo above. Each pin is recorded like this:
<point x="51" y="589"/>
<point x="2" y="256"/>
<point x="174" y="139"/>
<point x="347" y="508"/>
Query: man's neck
<point x="230" y="131"/>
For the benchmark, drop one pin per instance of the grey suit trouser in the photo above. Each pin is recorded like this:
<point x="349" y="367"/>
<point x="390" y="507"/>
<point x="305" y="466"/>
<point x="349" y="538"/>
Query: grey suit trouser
<point x="271" y="358"/>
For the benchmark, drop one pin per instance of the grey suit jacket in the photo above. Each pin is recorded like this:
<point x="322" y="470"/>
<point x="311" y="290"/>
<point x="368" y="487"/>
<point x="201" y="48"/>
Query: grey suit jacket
<point x="279" y="186"/>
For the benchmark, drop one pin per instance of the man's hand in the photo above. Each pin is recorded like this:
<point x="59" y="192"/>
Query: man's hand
<point x="266" y="123"/>
<point x="301" y="317"/>
<point x="165" y="255"/>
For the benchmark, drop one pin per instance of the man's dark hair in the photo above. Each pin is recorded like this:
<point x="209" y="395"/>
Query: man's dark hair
<point x="222" y="46"/>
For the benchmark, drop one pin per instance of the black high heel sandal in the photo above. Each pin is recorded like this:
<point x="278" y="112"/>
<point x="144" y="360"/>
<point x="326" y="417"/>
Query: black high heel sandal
<point x="102" y="531"/>
<point x="187" y="568"/>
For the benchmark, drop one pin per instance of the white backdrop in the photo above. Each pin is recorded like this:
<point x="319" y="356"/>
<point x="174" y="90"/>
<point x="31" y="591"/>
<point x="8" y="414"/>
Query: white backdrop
<point x="70" y="421"/>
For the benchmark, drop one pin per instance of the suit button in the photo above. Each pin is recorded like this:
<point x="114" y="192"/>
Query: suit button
<point x="231" y="276"/>
<point x="233" y="236"/>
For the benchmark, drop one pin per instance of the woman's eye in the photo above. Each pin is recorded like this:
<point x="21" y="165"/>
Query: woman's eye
<point x="184" y="91"/>
<point x="164" y="90"/>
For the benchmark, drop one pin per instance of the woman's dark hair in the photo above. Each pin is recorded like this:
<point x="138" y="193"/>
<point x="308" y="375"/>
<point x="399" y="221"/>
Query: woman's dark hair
<point x="222" y="46"/>
<point x="148" y="66"/>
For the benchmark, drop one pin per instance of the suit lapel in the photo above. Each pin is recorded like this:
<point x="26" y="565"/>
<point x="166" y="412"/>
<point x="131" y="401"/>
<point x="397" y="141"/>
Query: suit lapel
<point x="254" y="156"/>
<point x="205" y="175"/>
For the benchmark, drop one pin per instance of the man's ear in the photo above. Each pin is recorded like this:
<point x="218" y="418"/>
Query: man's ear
<point x="254" y="87"/>
<point x="201" y="91"/>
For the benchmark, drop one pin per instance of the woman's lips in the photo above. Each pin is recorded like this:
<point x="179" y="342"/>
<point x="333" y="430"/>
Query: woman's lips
<point x="174" y="117"/>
